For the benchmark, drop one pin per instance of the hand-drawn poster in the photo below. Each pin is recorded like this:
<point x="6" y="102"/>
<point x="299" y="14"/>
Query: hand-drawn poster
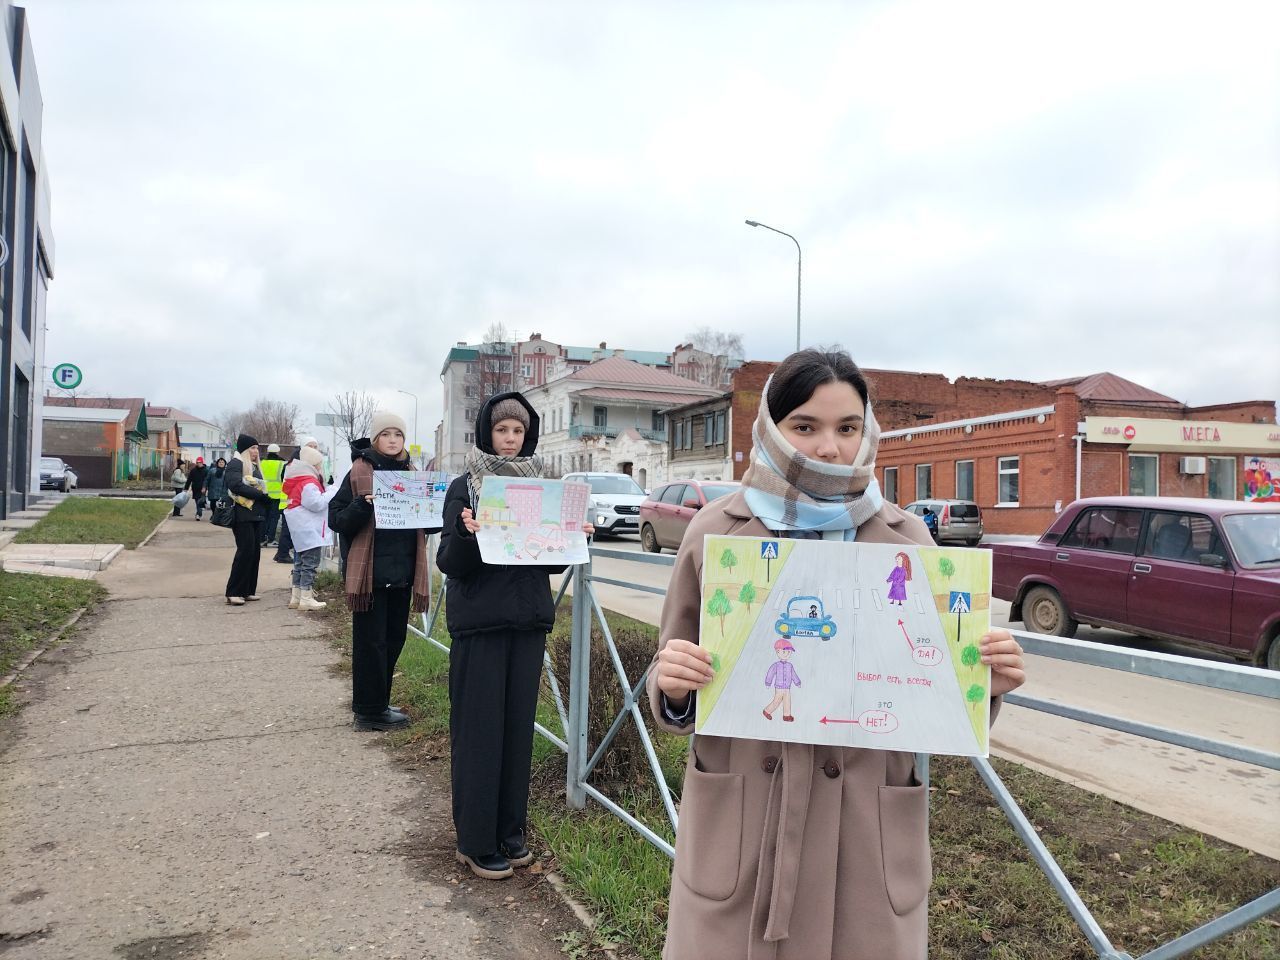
<point x="409" y="499"/>
<point x="852" y="644"/>
<point x="532" y="522"/>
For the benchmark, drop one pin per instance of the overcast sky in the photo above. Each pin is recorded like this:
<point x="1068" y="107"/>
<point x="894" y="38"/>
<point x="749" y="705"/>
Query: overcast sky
<point x="291" y="199"/>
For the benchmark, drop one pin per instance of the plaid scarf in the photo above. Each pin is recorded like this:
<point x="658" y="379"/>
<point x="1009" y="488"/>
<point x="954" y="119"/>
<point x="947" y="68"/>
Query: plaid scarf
<point x="788" y="491"/>
<point x="359" y="582"/>
<point x="481" y="465"/>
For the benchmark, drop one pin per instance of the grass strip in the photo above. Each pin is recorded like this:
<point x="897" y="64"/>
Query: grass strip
<point x="98" y="520"/>
<point x="1146" y="880"/>
<point x="32" y="607"/>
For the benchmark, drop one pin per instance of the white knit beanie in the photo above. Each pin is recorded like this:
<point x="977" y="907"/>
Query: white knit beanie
<point x="311" y="456"/>
<point x="384" y="420"/>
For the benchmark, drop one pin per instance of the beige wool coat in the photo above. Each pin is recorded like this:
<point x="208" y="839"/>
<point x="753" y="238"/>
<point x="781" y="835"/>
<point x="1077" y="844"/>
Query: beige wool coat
<point x="791" y="851"/>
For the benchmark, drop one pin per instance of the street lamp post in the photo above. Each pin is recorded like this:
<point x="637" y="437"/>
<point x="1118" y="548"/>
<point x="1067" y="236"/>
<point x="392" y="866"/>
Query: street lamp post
<point x="756" y="223"/>
<point x="415" y="413"/>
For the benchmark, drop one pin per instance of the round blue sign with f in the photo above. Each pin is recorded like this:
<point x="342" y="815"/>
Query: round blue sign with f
<point x="67" y="376"/>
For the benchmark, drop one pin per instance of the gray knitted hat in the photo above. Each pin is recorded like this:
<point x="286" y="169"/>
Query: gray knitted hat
<point x="509" y="409"/>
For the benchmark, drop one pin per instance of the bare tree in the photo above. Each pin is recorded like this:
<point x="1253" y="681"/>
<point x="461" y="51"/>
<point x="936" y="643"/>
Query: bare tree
<point x="721" y="350"/>
<point x="354" y="414"/>
<point x="231" y="424"/>
<point x="271" y="421"/>
<point x="494" y="369"/>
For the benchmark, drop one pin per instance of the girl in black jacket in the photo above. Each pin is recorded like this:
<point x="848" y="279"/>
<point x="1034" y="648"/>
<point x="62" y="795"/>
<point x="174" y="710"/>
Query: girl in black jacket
<point x="498" y="617"/>
<point x="244" y="483"/>
<point x="385" y="573"/>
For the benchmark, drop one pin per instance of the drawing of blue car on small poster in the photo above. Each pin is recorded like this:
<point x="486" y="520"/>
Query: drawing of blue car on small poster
<point x="852" y="644"/>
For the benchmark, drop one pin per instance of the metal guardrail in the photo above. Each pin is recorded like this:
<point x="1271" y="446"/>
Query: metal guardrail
<point x="581" y="762"/>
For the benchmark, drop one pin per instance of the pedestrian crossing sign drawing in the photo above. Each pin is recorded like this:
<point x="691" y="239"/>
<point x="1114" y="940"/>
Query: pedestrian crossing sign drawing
<point x="849" y="644"/>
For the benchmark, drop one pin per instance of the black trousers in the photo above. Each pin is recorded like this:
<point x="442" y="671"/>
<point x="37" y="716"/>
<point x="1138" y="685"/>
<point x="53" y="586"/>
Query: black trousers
<point x="377" y="637"/>
<point x="493" y="698"/>
<point x="243" y="581"/>
<point x="285" y="550"/>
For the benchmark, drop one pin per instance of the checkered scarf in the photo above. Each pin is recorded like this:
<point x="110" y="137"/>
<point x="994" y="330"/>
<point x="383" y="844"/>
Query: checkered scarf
<point x="788" y="491"/>
<point x="359" y="582"/>
<point x="481" y="465"/>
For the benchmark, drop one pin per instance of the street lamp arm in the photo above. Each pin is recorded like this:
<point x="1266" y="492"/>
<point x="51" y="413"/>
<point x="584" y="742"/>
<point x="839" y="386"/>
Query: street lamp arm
<point x="799" y="266"/>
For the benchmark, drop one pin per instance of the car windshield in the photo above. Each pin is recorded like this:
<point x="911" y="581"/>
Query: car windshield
<point x="50" y="463"/>
<point x="615" y="485"/>
<point x="1255" y="537"/>
<point x="714" y="491"/>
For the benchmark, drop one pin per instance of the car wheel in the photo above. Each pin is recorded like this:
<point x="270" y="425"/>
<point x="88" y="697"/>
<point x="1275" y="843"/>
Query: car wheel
<point x="1044" y="612"/>
<point x="649" y="539"/>
<point x="1273" y="653"/>
<point x="973" y="541"/>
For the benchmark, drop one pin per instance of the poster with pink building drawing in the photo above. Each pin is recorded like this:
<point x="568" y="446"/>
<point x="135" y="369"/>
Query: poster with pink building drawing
<point x="532" y="522"/>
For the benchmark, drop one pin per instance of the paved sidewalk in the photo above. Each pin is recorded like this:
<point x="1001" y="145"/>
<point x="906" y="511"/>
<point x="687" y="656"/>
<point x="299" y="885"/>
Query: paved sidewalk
<point x="185" y="783"/>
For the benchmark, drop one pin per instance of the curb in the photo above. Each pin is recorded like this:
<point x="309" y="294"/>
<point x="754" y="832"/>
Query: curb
<point x="41" y="650"/>
<point x="162" y="522"/>
<point x="585" y="917"/>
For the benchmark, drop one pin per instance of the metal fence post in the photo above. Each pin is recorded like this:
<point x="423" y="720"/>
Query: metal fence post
<point x="579" y="681"/>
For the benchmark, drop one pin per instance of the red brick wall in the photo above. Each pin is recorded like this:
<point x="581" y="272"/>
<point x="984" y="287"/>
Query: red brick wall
<point x="748" y="381"/>
<point x="1250" y="411"/>
<point x="902" y="399"/>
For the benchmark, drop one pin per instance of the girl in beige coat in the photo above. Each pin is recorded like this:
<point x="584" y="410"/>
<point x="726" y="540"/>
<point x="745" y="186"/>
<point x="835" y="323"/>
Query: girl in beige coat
<point x="792" y="851"/>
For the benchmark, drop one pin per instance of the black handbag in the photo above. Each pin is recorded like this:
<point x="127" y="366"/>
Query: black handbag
<point x="224" y="512"/>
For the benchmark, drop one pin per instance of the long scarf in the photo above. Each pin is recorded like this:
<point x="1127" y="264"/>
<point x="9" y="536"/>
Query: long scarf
<point x="481" y="465"/>
<point x="359" y="582"/>
<point x="788" y="491"/>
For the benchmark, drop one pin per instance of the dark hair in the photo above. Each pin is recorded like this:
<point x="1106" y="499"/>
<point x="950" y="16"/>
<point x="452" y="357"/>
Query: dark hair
<point x="805" y="371"/>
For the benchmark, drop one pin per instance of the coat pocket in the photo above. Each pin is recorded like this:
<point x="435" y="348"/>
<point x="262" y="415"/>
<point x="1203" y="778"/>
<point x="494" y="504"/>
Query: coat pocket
<point x="904" y="845"/>
<point x="709" y="839"/>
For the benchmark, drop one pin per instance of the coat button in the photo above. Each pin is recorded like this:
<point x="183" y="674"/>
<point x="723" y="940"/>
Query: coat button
<point x="769" y="764"/>
<point x="831" y="769"/>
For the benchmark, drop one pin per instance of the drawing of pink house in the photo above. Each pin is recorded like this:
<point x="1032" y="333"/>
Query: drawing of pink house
<point x="573" y="504"/>
<point x="526" y="500"/>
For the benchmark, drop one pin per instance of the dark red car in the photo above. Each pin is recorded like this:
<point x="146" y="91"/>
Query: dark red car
<point x="665" y="514"/>
<point x="1201" y="572"/>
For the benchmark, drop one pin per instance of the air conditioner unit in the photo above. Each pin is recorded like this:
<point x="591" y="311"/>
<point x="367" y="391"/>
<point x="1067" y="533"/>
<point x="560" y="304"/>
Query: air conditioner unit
<point x="1191" y="465"/>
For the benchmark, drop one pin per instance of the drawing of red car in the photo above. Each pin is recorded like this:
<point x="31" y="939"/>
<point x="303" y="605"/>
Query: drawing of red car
<point x="548" y="538"/>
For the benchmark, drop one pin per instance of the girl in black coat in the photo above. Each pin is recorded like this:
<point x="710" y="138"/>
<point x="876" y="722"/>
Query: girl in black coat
<point x="498" y="617"/>
<point x="244" y="483"/>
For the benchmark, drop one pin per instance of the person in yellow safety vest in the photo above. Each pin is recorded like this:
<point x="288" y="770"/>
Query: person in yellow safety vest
<point x="273" y="473"/>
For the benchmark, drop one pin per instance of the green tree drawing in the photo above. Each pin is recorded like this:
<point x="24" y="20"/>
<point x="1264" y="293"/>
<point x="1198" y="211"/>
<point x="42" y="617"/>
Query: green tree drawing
<point x="715" y="662"/>
<point x="974" y="694"/>
<point x="719" y="606"/>
<point x="728" y="560"/>
<point x="946" y="567"/>
<point x="747" y="595"/>
<point x="970" y="656"/>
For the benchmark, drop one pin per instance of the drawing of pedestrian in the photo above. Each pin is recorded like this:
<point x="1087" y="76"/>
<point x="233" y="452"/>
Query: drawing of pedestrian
<point x="898" y="579"/>
<point x="781" y="677"/>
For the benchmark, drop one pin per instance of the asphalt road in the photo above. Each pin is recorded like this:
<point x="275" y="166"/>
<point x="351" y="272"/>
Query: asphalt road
<point x="1234" y="801"/>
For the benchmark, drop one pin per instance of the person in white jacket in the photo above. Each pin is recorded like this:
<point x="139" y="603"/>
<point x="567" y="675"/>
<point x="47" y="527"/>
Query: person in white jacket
<point x="307" y="514"/>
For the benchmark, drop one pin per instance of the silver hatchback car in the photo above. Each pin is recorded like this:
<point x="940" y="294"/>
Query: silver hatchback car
<point x="950" y="521"/>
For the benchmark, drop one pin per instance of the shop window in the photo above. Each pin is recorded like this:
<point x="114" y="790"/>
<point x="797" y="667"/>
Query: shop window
<point x="924" y="481"/>
<point x="1007" y="469"/>
<point x="964" y="480"/>
<point x="1144" y="475"/>
<point x="1222" y="478"/>
<point x="891" y="484"/>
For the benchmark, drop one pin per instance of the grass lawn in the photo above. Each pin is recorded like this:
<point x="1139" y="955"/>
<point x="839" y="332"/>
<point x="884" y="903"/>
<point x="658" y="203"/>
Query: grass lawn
<point x="1145" y="879"/>
<point x="31" y="608"/>
<point x="98" y="520"/>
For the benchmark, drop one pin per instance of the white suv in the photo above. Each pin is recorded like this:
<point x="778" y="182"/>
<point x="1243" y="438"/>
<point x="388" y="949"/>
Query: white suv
<point x="615" y="501"/>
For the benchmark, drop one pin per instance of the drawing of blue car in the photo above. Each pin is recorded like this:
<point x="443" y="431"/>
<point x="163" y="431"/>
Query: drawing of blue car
<point x="805" y="617"/>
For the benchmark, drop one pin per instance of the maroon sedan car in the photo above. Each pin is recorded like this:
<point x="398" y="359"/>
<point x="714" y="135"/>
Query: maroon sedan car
<point x="665" y="515"/>
<point x="1200" y="572"/>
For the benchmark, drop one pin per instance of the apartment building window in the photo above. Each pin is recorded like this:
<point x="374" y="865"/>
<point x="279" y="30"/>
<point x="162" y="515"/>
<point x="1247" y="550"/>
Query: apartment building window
<point x="1007" y="480"/>
<point x="924" y="481"/>
<point x="1144" y="475"/>
<point x="1222" y="478"/>
<point x="470" y="391"/>
<point x="964" y="480"/>
<point x="526" y="370"/>
<point x="469" y="437"/>
<point x="891" y="484"/>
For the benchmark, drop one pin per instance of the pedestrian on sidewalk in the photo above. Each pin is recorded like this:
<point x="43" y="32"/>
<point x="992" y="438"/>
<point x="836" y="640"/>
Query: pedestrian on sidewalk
<point x="795" y="850"/>
<point x="272" y="468"/>
<point x="249" y="491"/>
<point x="195" y="483"/>
<point x="216" y="481"/>
<point x="284" y="546"/>
<point x="306" y="521"/>
<point x="178" y="483"/>
<point x="386" y="576"/>
<point x="498" y="617"/>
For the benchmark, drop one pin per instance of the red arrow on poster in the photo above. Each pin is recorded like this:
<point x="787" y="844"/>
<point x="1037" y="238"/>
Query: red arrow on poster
<point x="825" y="720"/>
<point x="906" y="637"/>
